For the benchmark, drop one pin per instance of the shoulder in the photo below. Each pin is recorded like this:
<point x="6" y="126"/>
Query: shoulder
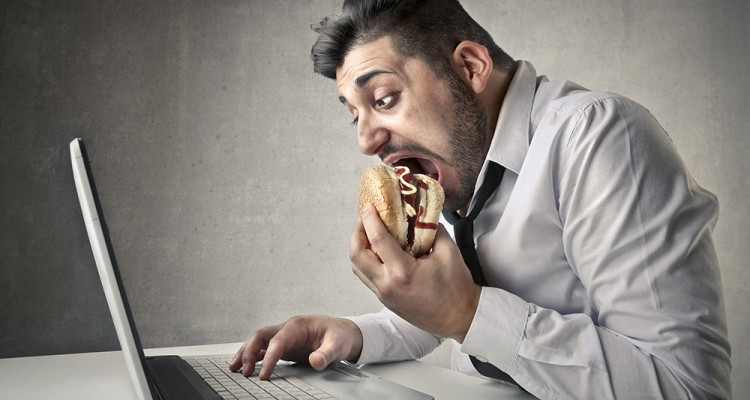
<point x="567" y="99"/>
<point x="575" y="113"/>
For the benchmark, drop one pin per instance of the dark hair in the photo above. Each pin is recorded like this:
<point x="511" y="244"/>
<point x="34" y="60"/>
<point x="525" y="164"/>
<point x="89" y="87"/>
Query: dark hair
<point x="428" y="30"/>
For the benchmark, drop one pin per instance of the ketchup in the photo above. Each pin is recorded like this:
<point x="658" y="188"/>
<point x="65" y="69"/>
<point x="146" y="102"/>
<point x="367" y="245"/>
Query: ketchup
<point x="414" y="221"/>
<point x="421" y="224"/>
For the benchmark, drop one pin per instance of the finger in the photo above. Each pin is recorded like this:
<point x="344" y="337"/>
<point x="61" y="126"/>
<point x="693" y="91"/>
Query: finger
<point x="328" y="352"/>
<point x="276" y="348"/>
<point x="252" y="350"/>
<point x="365" y="263"/>
<point x="358" y="241"/>
<point x="380" y="239"/>
<point x="248" y="358"/>
<point x="236" y="362"/>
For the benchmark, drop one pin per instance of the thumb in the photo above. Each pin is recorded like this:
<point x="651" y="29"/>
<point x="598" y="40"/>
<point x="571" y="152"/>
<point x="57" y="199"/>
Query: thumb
<point x="324" y="355"/>
<point x="319" y="359"/>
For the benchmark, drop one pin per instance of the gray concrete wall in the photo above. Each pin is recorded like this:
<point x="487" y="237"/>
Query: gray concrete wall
<point x="228" y="171"/>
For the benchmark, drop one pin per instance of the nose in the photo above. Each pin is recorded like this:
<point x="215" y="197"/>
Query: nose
<point x="371" y="135"/>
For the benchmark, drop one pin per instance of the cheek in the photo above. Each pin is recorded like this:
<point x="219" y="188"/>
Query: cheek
<point x="414" y="120"/>
<point x="428" y="126"/>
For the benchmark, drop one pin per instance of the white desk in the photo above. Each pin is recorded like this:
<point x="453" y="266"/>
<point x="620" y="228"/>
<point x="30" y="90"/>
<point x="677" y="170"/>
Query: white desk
<point x="104" y="376"/>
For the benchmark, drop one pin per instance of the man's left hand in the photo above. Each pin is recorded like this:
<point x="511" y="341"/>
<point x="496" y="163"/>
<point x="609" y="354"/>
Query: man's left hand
<point x="434" y="292"/>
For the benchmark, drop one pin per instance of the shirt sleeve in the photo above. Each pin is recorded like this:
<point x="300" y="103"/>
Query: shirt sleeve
<point x="637" y="233"/>
<point x="387" y="337"/>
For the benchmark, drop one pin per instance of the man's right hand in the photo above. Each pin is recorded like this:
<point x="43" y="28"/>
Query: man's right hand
<point x="314" y="339"/>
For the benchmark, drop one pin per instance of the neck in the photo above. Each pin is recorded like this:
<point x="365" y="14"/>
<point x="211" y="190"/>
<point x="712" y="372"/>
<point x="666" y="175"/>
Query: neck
<point x="492" y="98"/>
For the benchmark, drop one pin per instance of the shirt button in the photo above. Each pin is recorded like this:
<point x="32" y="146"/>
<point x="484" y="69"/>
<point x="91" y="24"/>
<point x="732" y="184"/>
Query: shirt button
<point x="482" y="359"/>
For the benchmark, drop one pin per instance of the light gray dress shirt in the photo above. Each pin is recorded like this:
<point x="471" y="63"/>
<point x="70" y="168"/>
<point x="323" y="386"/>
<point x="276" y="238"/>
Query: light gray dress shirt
<point x="597" y="248"/>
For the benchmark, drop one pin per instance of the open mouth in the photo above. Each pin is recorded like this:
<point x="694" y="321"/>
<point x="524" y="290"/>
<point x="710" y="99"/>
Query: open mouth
<point x="419" y="166"/>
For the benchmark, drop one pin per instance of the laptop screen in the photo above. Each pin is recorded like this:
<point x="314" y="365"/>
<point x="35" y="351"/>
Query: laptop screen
<point x="106" y="264"/>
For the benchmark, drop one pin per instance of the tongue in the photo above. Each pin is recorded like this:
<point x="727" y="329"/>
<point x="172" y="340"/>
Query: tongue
<point x="428" y="168"/>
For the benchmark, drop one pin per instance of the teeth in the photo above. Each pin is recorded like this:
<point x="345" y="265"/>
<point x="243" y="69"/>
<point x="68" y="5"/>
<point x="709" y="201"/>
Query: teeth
<point x="417" y="166"/>
<point x="412" y="163"/>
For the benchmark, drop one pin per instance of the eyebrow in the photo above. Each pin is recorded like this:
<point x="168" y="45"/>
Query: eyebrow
<point x="363" y="79"/>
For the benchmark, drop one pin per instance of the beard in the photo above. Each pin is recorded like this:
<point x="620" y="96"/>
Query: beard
<point x="469" y="141"/>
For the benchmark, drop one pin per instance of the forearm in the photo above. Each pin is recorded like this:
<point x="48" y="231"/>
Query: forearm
<point x="568" y="356"/>
<point x="387" y="337"/>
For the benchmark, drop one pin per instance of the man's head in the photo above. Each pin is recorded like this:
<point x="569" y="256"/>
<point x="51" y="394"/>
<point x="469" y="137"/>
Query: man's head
<point x="425" y="29"/>
<point x="415" y="76"/>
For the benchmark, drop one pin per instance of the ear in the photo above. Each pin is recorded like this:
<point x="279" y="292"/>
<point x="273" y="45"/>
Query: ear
<point x="473" y="64"/>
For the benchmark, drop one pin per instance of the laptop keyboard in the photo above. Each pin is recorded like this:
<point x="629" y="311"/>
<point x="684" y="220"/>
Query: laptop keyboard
<point x="230" y="385"/>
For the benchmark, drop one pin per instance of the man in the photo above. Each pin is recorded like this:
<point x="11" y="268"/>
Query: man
<point x="600" y="277"/>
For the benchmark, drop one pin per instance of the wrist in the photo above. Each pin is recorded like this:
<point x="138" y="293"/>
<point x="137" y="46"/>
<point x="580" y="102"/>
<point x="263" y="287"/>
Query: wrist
<point x="465" y="313"/>
<point x="356" y="335"/>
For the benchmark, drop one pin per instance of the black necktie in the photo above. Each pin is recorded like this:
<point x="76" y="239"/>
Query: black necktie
<point x="464" y="232"/>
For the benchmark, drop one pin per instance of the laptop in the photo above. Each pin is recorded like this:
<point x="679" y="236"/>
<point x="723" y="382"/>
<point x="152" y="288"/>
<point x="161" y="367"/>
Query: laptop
<point x="174" y="377"/>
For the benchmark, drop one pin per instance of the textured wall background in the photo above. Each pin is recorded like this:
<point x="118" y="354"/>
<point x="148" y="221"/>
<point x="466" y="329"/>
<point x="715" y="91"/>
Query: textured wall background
<point x="228" y="172"/>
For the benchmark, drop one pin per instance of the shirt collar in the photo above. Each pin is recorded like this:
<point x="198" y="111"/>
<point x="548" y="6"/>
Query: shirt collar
<point x="510" y="142"/>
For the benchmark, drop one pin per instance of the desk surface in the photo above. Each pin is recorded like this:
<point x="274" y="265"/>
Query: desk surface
<point x="104" y="375"/>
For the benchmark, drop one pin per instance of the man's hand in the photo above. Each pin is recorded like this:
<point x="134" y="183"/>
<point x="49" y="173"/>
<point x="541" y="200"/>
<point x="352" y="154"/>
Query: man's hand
<point x="314" y="339"/>
<point x="434" y="292"/>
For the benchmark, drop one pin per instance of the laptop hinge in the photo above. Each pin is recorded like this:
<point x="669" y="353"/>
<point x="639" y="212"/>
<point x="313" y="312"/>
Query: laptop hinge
<point x="176" y="379"/>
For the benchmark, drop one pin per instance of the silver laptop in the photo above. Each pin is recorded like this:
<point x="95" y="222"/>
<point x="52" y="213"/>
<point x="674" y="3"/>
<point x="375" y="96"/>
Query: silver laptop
<point x="174" y="377"/>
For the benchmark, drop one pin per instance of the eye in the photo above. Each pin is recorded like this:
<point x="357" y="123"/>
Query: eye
<point x="354" y="122"/>
<point x="384" y="101"/>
